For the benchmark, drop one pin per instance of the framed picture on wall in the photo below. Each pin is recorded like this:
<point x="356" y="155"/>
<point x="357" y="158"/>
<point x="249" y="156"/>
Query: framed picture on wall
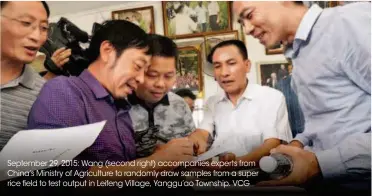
<point x="194" y="18"/>
<point x="212" y="40"/>
<point x="142" y="17"/>
<point x="326" y="4"/>
<point x="189" y="70"/>
<point x="277" y="49"/>
<point x="270" y="73"/>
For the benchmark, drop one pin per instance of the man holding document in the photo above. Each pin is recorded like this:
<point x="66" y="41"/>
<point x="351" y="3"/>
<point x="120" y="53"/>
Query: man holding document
<point x="119" y="54"/>
<point x="248" y="119"/>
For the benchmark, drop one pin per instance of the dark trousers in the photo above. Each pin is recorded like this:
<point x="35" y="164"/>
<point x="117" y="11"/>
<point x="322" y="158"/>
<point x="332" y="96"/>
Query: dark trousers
<point x="213" y="23"/>
<point x="203" y="27"/>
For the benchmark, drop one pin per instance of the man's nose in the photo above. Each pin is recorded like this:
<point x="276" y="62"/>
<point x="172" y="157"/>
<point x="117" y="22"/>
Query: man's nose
<point x="224" y="71"/>
<point x="248" y="27"/>
<point x="141" y="77"/>
<point x="160" y="82"/>
<point x="35" y="35"/>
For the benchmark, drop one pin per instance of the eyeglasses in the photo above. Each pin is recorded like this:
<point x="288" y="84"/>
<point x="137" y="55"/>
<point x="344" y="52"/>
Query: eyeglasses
<point x="28" y="27"/>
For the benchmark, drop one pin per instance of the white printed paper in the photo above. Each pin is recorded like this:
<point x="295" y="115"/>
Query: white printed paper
<point x="216" y="149"/>
<point x="45" y="148"/>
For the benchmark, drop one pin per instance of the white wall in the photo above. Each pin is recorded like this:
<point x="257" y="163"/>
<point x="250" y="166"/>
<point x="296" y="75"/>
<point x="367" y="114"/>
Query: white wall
<point x="85" y="20"/>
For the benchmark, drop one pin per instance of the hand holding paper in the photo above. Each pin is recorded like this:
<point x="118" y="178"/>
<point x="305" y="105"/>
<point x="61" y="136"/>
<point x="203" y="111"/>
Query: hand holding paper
<point x="45" y="148"/>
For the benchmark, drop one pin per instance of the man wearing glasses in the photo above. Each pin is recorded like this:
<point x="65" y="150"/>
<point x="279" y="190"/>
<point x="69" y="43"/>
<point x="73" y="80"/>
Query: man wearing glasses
<point x="24" y="29"/>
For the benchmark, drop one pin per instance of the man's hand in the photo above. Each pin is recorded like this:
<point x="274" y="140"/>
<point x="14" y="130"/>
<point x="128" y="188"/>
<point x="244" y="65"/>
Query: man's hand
<point x="180" y="149"/>
<point x="200" y="140"/>
<point x="225" y="162"/>
<point x="61" y="57"/>
<point x="296" y="143"/>
<point x="305" y="167"/>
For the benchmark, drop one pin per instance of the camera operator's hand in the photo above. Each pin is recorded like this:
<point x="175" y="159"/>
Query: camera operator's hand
<point x="61" y="57"/>
<point x="180" y="149"/>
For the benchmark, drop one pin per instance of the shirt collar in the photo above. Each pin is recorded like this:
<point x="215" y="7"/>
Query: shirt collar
<point x="26" y="79"/>
<point x="247" y="94"/>
<point x="304" y="29"/>
<point x="94" y="85"/>
<point x="134" y="100"/>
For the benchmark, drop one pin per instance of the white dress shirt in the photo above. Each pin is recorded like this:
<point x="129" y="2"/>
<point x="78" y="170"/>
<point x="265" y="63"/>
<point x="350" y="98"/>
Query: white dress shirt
<point x="260" y="114"/>
<point x="202" y="14"/>
<point x="213" y="8"/>
<point x="184" y="24"/>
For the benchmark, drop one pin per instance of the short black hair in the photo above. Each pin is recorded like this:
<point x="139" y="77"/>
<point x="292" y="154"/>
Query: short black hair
<point x="121" y="34"/>
<point x="184" y="92"/>
<point x="4" y="3"/>
<point x="239" y="44"/>
<point x="163" y="46"/>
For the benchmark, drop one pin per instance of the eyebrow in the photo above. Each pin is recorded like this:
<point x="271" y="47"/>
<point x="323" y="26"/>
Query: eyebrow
<point x="33" y="18"/>
<point x="243" y="13"/>
<point x="230" y="59"/>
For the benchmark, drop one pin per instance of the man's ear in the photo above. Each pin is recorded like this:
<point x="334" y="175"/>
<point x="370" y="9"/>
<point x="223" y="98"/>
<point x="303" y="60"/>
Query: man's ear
<point x="247" y="63"/>
<point x="105" y="51"/>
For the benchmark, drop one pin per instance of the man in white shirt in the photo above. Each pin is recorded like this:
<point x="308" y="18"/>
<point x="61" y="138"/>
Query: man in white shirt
<point x="183" y="23"/>
<point x="247" y="118"/>
<point x="214" y="10"/>
<point x="201" y="13"/>
<point x="188" y="10"/>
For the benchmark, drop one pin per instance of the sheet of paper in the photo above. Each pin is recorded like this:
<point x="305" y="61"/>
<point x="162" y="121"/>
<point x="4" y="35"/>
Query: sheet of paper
<point x="218" y="147"/>
<point x="37" y="149"/>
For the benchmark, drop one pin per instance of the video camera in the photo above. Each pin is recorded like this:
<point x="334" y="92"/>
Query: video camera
<point x="65" y="34"/>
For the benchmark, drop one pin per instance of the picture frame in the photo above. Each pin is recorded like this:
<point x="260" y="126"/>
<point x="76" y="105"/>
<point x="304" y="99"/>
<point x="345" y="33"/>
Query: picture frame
<point x="270" y="73"/>
<point x="189" y="70"/>
<point x="277" y="49"/>
<point x="142" y="17"/>
<point x="326" y="4"/>
<point x="212" y="40"/>
<point x="185" y="19"/>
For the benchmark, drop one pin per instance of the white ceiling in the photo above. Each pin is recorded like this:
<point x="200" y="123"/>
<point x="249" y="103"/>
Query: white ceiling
<point x="66" y="7"/>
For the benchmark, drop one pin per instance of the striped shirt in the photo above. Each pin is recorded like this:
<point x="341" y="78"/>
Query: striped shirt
<point x="17" y="97"/>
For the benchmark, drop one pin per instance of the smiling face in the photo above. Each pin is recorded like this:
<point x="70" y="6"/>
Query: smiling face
<point x="23" y="30"/>
<point x="263" y="20"/>
<point x="230" y="69"/>
<point x="159" y="79"/>
<point x="123" y="74"/>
